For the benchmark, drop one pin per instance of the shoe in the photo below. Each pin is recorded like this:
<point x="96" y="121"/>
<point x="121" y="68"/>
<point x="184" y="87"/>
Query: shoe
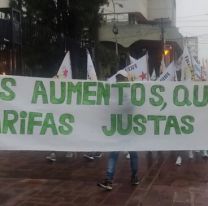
<point x="98" y="155"/>
<point x="179" y="161"/>
<point x="127" y="156"/>
<point x="191" y="154"/>
<point x="51" y="157"/>
<point x="106" y="184"/>
<point x="89" y="157"/>
<point x="204" y="154"/>
<point x="134" y="180"/>
<point x="69" y="155"/>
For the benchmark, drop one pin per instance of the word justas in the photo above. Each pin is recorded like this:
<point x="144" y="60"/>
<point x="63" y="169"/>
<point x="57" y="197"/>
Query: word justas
<point x="138" y="124"/>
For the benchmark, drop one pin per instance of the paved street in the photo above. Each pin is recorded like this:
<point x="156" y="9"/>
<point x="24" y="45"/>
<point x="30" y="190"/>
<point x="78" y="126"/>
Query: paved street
<point x="26" y="179"/>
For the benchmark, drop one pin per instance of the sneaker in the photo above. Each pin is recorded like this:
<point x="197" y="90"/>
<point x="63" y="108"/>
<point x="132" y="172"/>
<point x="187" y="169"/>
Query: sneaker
<point x="191" y="154"/>
<point x="179" y="161"/>
<point x="127" y="156"/>
<point x="106" y="184"/>
<point x="51" y="157"/>
<point x="98" y="155"/>
<point x="69" y="155"/>
<point x="204" y="154"/>
<point x="134" y="180"/>
<point x="89" y="157"/>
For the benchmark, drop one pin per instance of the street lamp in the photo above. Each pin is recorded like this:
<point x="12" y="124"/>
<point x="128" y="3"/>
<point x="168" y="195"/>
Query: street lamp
<point x="115" y="28"/>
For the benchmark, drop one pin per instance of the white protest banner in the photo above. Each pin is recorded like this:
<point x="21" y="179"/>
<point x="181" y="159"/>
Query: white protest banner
<point x="77" y="115"/>
<point x="65" y="71"/>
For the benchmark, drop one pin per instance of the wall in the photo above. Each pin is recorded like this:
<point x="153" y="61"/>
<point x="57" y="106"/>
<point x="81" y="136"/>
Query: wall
<point x="162" y="9"/>
<point x="128" y="6"/>
<point x="4" y="3"/>
<point x="150" y="9"/>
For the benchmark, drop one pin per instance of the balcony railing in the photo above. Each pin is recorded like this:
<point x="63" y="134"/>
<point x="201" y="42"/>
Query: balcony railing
<point x="132" y="18"/>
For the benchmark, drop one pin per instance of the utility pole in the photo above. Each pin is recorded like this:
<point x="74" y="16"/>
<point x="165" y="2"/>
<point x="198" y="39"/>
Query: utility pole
<point x="115" y="28"/>
<point x="162" y="35"/>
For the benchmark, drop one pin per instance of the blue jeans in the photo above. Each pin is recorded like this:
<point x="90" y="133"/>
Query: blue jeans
<point x="112" y="160"/>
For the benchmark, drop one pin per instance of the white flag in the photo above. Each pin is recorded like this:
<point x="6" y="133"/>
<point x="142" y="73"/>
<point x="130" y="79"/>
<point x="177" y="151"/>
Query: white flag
<point x="153" y="76"/>
<point x="197" y="69"/>
<point x="91" y="74"/>
<point x="64" y="71"/>
<point x="204" y="70"/>
<point x="187" y="71"/>
<point x="162" y="65"/>
<point x="138" y="70"/>
<point x="112" y="79"/>
<point x="132" y="59"/>
<point x="169" y="74"/>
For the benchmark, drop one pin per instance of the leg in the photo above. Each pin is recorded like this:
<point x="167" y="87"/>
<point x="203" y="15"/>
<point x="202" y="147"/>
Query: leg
<point x="111" y="166"/>
<point x="112" y="160"/>
<point x="190" y="154"/>
<point x="134" y="163"/>
<point x="134" y="167"/>
<point x="69" y="154"/>
<point x="204" y="153"/>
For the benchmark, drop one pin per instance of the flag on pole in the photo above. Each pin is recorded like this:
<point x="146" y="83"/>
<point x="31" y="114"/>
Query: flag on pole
<point x="132" y="59"/>
<point x="65" y="71"/>
<point x="91" y="74"/>
<point x="187" y="71"/>
<point x="138" y="70"/>
<point x="153" y="76"/>
<point x="175" y="76"/>
<point x="162" y="65"/>
<point x="197" y="69"/>
<point x="169" y="74"/>
<point x="112" y="79"/>
<point x="204" y="70"/>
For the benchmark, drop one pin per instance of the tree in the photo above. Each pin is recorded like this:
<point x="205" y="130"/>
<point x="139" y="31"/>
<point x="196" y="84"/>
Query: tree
<point x="51" y="26"/>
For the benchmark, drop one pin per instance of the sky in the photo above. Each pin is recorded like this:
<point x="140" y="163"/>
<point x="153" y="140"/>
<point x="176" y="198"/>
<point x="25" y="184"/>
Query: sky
<point x="192" y="20"/>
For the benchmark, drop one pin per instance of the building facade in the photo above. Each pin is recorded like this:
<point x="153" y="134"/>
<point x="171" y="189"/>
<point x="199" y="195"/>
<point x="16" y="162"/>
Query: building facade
<point x="4" y="3"/>
<point x="149" y="9"/>
<point x="142" y="25"/>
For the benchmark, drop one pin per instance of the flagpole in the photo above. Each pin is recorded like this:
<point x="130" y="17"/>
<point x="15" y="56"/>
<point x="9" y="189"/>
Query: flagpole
<point x="147" y="58"/>
<point x="192" y="70"/>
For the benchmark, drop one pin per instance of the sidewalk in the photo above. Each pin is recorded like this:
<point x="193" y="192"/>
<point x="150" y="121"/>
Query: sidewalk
<point x="27" y="179"/>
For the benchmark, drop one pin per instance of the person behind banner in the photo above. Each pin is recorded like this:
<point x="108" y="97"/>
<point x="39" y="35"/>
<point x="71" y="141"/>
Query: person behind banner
<point x="121" y="76"/>
<point x="52" y="156"/>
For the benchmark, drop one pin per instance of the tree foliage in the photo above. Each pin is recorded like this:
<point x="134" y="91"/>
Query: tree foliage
<point x="48" y="26"/>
